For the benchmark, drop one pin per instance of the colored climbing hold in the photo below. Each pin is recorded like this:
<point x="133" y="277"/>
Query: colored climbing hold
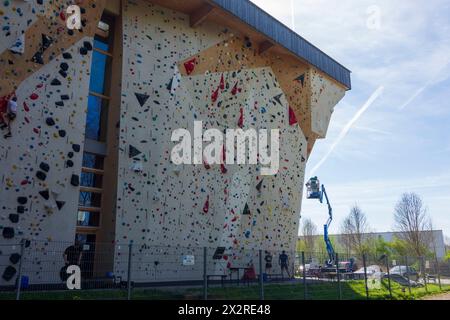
<point x="190" y="66"/>
<point x="206" y="206"/>
<point x="259" y="185"/>
<point x="142" y="98"/>
<point x="133" y="152"/>
<point x="222" y="83"/>
<point x="241" y="118"/>
<point x="235" y="89"/>
<point x="246" y="210"/>
<point x="277" y="98"/>
<point x="301" y="79"/>
<point x="215" y="95"/>
<point x="292" y="117"/>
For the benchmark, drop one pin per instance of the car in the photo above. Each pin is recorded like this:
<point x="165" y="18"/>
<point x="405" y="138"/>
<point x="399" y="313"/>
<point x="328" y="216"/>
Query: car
<point x="406" y="272"/>
<point x="373" y="271"/>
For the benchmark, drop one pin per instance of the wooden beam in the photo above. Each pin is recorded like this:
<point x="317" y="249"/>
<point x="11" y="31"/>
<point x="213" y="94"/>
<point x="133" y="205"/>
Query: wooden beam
<point x="200" y="15"/>
<point x="264" y="46"/>
<point x="91" y="190"/>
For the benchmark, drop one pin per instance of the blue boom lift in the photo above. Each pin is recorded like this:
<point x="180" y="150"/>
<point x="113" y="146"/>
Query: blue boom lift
<point x="317" y="191"/>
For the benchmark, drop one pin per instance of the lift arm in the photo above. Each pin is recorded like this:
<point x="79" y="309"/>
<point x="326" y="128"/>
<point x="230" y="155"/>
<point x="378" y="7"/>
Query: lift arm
<point x="329" y="245"/>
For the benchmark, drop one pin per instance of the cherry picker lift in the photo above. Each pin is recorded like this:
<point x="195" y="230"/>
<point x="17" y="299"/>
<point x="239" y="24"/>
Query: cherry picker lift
<point x="317" y="191"/>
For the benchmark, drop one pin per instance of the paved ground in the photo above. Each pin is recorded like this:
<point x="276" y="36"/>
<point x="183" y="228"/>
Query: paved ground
<point x="445" y="296"/>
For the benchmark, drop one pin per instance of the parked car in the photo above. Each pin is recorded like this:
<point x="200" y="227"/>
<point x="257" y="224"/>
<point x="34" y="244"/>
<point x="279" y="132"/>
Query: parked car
<point x="406" y="272"/>
<point x="372" y="271"/>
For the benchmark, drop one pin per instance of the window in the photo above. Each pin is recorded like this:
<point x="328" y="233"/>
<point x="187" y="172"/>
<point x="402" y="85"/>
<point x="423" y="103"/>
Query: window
<point x="96" y="121"/>
<point x="91" y="180"/>
<point x="92" y="172"/>
<point x="92" y="161"/>
<point x="99" y="86"/>
<point x="89" y="199"/>
<point x="88" y="219"/>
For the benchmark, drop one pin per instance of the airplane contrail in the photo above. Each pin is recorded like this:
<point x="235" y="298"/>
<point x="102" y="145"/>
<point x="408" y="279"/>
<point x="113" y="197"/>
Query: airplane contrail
<point x="415" y="95"/>
<point x="422" y="89"/>
<point x="347" y="128"/>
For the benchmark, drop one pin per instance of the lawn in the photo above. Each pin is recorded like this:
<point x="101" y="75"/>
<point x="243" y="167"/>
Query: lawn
<point x="351" y="290"/>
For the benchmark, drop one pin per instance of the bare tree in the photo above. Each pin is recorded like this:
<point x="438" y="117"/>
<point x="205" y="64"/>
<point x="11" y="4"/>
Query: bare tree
<point x="353" y="228"/>
<point x="413" y="222"/>
<point x="309" y="233"/>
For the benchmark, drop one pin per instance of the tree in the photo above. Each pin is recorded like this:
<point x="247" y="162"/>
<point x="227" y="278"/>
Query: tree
<point x="412" y="220"/>
<point x="353" y="228"/>
<point x="447" y="256"/>
<point x="309" y="233"/>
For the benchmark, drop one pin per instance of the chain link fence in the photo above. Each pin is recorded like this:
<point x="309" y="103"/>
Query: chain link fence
<point x="58" y="270"/>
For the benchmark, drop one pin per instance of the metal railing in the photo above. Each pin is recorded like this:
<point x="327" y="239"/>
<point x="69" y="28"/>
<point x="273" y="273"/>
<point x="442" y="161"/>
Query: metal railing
<point x="125" y="271"/>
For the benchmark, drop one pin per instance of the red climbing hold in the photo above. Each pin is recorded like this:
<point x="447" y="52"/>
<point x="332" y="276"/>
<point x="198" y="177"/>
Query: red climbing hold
<point x="292" y="117"/>
<point x="241" y="119"/>
<point x="215" y="95"/>
<point x="34" y="96"/>
<point x="222" y="165"/>
<point x="235" y="89"/>
<point x="190" y="66"/>
<point x="206" y="206"/>
<point x="223" y="169"/>
<point x="25" y="107"/>
<point x="222" y="84"/>
<point x="206" y="164"/>
<point x="62" y="16"/>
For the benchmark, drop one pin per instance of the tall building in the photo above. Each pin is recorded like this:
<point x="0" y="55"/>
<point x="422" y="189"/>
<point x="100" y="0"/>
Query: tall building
<point x="90" y="153"/>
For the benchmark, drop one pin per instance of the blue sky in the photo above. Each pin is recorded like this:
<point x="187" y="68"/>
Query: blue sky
<point x="401" y="143"/>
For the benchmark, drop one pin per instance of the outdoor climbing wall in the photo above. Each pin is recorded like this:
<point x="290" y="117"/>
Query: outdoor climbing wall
<point x="174" y="75"/>
<point x="41" y="162"/>
<point x="325" y="96"/>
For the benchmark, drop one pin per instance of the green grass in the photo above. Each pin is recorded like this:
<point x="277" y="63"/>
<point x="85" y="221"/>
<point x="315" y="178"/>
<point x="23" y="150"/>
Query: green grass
<point x="351" y="290"/>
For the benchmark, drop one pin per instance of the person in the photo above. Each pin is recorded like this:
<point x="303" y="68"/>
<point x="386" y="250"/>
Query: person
<point x="283" y="260"/>
<point x="72" y="256"/>
<point x="11" y="114"/>
<point x="268" y="259"/>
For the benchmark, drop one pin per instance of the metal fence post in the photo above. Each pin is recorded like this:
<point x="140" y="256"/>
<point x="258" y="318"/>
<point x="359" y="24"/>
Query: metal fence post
<point x="438" y="272"/>
<point x="305" y="287"/>
<point x="19" y="276"/>
<point x="389" y="276"/>
<point x="424" y="273"/>
<point x="261" y="278"/>
<point x="130" y="254"/>
<point x="205" y="276"/>
<point x="338" y="277"/>
<point x="407" y="274"/>
<point x="365" y="275"/>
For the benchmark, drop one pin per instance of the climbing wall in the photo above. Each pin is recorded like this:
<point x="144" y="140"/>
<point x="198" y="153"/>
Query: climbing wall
<point x="41" y="162"/>
<point x="174" y="75"/>
<point x="325" y="95"/>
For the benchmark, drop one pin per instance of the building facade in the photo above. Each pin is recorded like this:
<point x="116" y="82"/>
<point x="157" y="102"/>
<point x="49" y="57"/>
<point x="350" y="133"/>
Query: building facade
<point x="89" y="156"/>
